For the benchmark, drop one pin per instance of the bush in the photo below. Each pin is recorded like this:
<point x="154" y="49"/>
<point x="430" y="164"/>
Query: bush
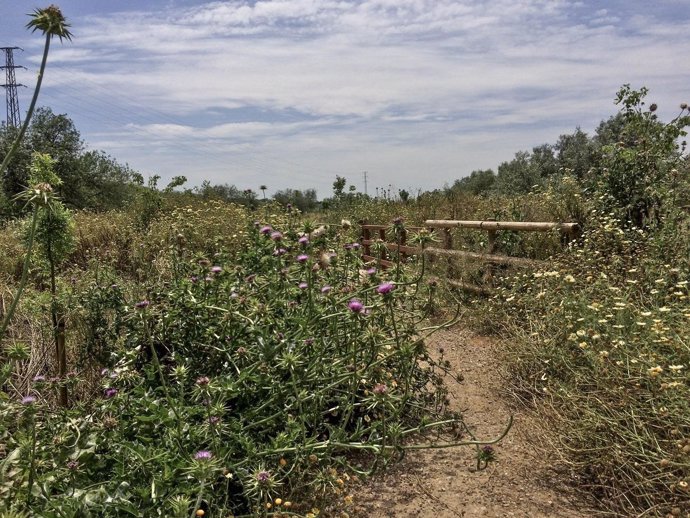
<point x="236" y="382"/>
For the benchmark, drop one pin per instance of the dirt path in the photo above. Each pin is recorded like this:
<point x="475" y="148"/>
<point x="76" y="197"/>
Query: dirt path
<point x="440" y="483"/>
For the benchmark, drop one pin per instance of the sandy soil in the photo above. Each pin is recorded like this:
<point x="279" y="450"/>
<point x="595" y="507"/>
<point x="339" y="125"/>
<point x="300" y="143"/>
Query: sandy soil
<point x="444" y="483"/>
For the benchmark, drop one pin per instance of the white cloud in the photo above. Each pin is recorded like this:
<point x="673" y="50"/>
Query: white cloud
<point x="400" y="86"/>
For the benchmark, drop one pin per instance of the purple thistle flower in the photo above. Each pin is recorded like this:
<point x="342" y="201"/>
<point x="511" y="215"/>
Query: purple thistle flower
<point x="279" y="251"/>
<point x="142" y="304"/>
<point x="309" y="341"/>
<point x="262" y="477"/>
<point x="380" y="389"/>
<point x="216" y="269"/>
<point x="276" y="236"/>
<point x="265" y="230"/>
<point x="203" y="455"/>
<point x="110" y="393"/>
<point x="39" y="378"/>
<point x="194" y="279"/>
<point x="28" y="400"/>
<point x="202" y="381"/>
<point x="355" y="305"/>
<point x="326" y="290"/>
<point x="302" y="258"/>
<point x="304" y="240"/>
<point x="303" y="285"/>
<point x="214" y="419"/>
<point x="385" y="288"/>
<point x="73" y="465"/>
<point x="371" y="271"/>
<point x="355" y="246"/>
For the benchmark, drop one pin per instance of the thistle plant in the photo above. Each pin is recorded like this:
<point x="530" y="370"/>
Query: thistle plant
<point x="50" y="22"/>
<point x="39" y="195"/>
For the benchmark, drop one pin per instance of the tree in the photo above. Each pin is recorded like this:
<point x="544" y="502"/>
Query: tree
<point x="639" y="173"/>
<point x="576" y="153"/>
<point x="263" y="188"/>
<point x="339" y="186"/>
<point x="90" y="179"/>
<point x="478" y="182"/>
<point x="517" y="176"/>
<point x="303" y="200"/>
<point x="544" y="161"/>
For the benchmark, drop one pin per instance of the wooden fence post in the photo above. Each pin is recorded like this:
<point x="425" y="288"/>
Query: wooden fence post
<point x="366" y="237"/>
<point x="491" y="250"/>
<point x="382" y="237"/>
<point x="448" y="245"/>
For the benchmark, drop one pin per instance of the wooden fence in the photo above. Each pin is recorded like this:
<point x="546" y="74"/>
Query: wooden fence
<point x="376" y="235"/>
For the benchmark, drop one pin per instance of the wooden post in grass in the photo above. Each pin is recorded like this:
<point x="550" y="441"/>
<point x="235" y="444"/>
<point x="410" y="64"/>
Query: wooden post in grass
<point x="382" y="237"/>
<point x="491" y="250"/>
<point x="448" y="245"/>
<point x="366" y="237"/>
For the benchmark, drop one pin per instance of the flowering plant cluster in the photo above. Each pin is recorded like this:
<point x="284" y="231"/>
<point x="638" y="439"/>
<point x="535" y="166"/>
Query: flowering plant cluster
<point x="242" y="384"/>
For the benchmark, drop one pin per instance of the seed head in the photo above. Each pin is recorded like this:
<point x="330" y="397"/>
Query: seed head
<point x="50" y="21"/>
<point x="380" y="389"/>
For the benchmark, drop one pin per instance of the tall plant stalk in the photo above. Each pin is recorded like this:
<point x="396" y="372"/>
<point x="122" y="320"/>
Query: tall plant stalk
<point x="51" y="22"/>
<point x="25" y="274"/>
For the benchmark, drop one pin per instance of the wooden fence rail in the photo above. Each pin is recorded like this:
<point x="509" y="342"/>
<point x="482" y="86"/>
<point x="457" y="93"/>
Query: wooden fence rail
<point x="444" y="227"/>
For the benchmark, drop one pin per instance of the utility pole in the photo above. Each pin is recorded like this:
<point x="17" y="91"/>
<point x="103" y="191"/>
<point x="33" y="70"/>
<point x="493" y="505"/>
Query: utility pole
<point x="10" y="86"/>
<point x="365" y="183"/>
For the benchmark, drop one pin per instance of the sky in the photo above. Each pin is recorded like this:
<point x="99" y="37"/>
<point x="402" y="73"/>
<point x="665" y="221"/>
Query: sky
<point x="291" y="93"/>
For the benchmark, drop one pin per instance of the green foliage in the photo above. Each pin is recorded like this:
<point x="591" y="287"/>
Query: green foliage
<point x="51" y="22"/>
<point x="577" y="154"/>
<point x="638" y="173"/>
<point x="90" y="179"/>
<point x="339" y="186"/>
<point x="233" y="383"/>
<point x="598" y="337"/>
<point x="305" y="201"/>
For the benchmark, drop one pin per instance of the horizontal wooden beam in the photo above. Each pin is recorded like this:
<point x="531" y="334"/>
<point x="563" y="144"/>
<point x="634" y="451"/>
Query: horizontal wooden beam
<point x="464" y="286"/>
<point x="384" y="262"/>
<point x="394" y="247"/>
<point x="487" y="258"/>
<point x="538" y="226"/>
<point x="386" y="227"/>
